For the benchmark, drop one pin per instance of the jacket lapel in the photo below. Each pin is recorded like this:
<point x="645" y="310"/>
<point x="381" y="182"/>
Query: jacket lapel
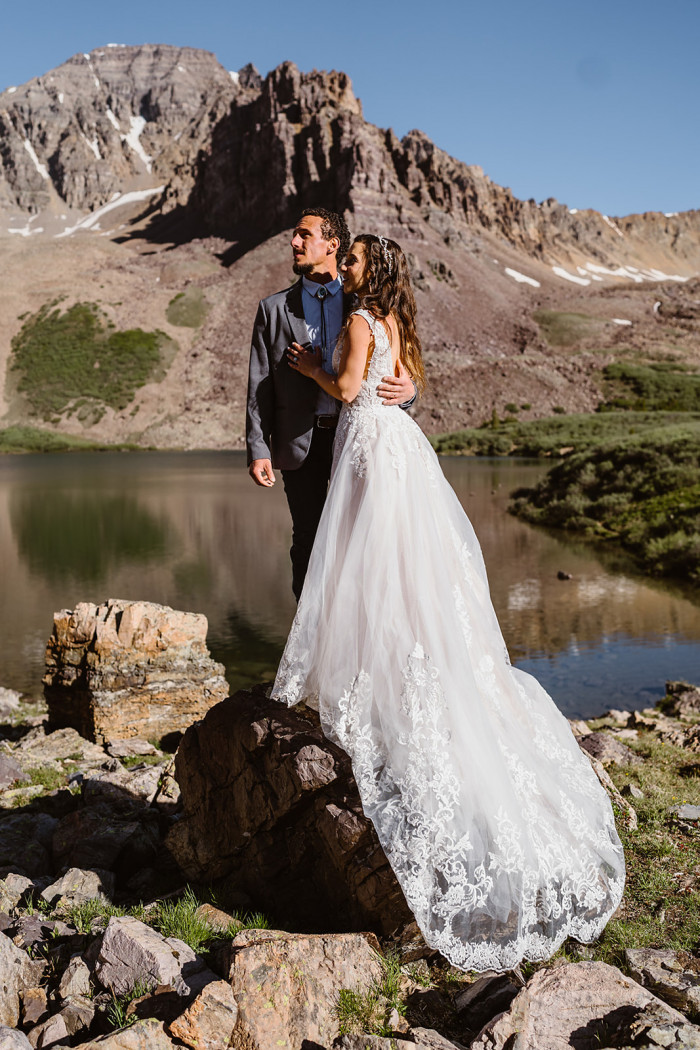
<point x="294" y="310"/>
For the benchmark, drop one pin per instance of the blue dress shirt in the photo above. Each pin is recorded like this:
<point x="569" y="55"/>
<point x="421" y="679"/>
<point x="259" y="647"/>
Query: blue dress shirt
<point x="333" y="309"/>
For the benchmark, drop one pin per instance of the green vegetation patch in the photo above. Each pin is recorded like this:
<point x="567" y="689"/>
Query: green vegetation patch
<point x="61" y="357"/>
<point x="188" y="309"/>
<point x="556" y="435"/>
<point x="655" y="387"/>
<point x="560" y="328"/>
<point x="642" y="493"/>
<point x="32" y="439"/>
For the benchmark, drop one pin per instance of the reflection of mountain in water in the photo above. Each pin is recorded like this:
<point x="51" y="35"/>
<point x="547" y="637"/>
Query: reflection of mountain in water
<point x="84" y="535"/>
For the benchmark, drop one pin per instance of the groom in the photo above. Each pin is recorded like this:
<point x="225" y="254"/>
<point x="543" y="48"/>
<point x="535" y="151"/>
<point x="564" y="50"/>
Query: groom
<point x="290" y="421"/>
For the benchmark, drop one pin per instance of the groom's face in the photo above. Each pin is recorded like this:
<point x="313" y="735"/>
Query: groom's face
<point x="313" y="253"/>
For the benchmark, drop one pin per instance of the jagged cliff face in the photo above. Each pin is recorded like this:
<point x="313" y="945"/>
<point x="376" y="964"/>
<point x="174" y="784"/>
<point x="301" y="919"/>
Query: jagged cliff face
<point x="133" y="174"/>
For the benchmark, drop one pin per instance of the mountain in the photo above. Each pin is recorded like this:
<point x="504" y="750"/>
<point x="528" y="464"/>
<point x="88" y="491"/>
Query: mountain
<point x="153" y="183"/>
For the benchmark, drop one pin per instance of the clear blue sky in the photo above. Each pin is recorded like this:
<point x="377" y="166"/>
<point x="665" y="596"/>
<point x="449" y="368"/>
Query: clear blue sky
<point x="595" y="103"/>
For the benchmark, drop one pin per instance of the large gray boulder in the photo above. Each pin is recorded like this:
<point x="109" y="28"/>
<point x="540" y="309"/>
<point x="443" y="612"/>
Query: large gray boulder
<point x="270" y="801"/>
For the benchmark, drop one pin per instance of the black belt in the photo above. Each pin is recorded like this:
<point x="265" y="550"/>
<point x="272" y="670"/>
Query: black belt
<point x="329" y="422"/>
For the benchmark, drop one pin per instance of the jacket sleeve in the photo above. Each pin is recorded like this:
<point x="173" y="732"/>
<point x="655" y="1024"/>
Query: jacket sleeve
<point x="261" y="397"/>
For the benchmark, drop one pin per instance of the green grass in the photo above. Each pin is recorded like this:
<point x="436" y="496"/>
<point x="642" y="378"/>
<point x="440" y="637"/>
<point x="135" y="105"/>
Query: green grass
<point x="561" y="328"/>
<point x="48" y="778"/>
<point x="76" y="361"/>
<point x="368" y="1011"/>
<point x="642" y="494"/>
<point x="188" y="309"/>
<point x="83" y="915"/>
<point x="655" y="387"/>
<point x="32" y="439"/>
<point x="555" y="435"/>
<point x="116" y="1012"/>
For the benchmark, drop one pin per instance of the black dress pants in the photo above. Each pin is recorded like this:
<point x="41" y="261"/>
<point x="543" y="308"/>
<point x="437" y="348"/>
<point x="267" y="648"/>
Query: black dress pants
<point x="306" y="489"/>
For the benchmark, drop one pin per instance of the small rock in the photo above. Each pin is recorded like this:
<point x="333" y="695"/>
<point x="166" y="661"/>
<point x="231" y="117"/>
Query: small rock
<point x="626" y="734"/>
<point x="661" y="971"/>
<point x="75" y="979"/>
<point x="12" y="1039"/>
<point x="10" y="772"/>
<point x="564" y="575"/>
<point x="579" y="728"/>
<point x="131" y="951"/>
<point x="131" y="747"/>
<point x="144" y="1035"/>
<point x="429" y="1039"/>
<point x="9" y="701"/>
<point x="17" y="973"/>
<point x="48" y="1033"/>
<point x="608" y="750"/>
<point x="483" y="999"/>
<point x="34" y="1006"/>
<point x="632" y="791"/>
<point x="209" y="1020"/>
<point x="78" y="1014"/>
<point x="59" y="745"/>
<point x="79" y="885"/>
<point x="683" y="699"/>
<point x="685" y="812"/>
<point x="373" y="1042"/>
<point x="163" y="1003"/>
<point x="138" y="782"/>
<point x="220" y="920"/>
<point x="25" y="843"/>
<point x="620" y="718"/>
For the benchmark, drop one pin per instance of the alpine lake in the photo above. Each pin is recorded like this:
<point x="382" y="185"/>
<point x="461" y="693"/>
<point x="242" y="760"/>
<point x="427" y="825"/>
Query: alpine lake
<point x="191" y="530"/>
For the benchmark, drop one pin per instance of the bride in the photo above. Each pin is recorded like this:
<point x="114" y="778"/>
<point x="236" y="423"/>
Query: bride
<point x="496" y="826"/>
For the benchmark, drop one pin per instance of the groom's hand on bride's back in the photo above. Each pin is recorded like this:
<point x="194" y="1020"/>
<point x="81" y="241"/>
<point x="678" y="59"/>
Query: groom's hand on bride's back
<point x="397" y="390"/>
<point x="262" y="473"/>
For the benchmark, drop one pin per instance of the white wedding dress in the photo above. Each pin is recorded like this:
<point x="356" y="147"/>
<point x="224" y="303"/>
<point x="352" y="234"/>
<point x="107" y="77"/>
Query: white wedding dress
<point x="496" y="826"/>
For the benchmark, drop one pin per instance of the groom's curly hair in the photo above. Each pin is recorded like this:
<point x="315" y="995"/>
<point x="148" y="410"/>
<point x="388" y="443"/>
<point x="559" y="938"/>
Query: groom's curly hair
<point x="333" y="225"/>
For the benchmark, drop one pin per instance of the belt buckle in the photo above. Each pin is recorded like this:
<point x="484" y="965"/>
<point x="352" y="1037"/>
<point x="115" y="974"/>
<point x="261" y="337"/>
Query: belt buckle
<point x="326" y="422"/>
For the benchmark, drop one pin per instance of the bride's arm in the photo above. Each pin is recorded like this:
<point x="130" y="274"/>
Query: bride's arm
<point x="353" y="361"/>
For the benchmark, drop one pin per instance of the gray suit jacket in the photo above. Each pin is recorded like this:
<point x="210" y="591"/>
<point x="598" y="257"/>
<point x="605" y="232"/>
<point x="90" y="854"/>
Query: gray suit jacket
<point x="281" y="402"/>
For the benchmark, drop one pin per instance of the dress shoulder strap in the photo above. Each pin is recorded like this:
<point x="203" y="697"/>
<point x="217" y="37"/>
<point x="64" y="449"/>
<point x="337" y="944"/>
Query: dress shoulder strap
<point x="369" y="318"/>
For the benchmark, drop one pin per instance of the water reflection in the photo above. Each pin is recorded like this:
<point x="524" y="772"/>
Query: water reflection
<point x="83" y="536"/>
<point x="191" y="531"/>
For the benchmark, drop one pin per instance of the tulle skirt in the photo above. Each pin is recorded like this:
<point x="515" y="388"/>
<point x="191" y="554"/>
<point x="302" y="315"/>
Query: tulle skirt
<point x="497" y="828"/>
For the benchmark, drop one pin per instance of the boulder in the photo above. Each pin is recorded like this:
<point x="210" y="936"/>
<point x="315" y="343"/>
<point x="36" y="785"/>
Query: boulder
<point x="583" y="1005"/>
<point x="131" y="747"/>
<point x="12" y="1039"/>
<point x="209" y="1020"/>
<point x="131" y="952"/>
<point x="39" y="748"/>
<point x="270" y="801"/>
<point x="287" y="985"/>
<point x="17" y="973"/>
<point x="79" y="885"/>
<point x="608" y="750"/>
<point x="682" y="699"/>
<point x="129" y="669"/>
<point x="662" y="972"/>
<point x="140" y="783"/>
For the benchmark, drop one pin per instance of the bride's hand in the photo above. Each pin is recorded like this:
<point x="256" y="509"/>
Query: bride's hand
<point x="305" y="360"/>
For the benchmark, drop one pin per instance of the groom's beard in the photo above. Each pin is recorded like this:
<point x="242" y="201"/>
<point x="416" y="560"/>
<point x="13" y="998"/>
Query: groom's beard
<point x="302" y="268"/>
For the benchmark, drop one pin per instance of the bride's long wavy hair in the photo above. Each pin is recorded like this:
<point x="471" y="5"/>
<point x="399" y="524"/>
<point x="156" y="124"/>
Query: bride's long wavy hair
<point x="388" y="291"/>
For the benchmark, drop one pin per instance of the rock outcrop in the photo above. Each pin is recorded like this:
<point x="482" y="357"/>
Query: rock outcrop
<point x="129" y="669"/>
<point x="268" y="800"/>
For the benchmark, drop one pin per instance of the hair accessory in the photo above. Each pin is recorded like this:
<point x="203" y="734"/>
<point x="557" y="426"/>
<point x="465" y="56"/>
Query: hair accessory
<point x="386" y="255"/>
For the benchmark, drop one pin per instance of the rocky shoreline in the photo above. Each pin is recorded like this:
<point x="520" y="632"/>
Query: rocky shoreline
<point x="130" y="878"/>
